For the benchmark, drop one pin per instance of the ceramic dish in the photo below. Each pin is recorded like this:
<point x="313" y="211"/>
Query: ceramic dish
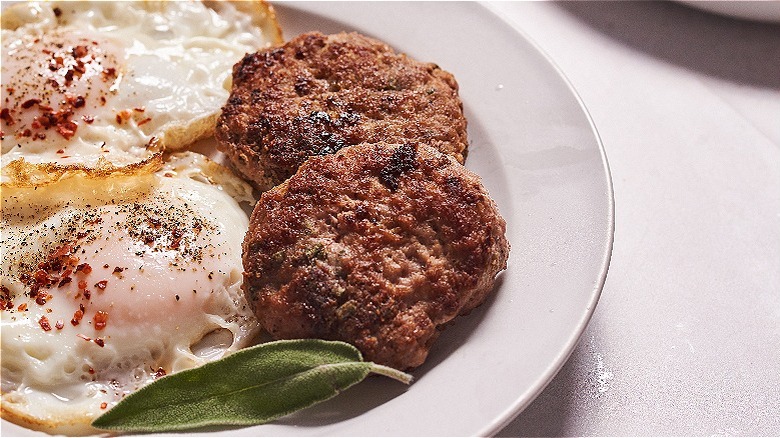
<point x="538" y="153"/>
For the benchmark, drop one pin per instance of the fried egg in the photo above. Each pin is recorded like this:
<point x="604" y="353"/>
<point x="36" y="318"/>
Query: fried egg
<point x="108" y="283"/>
<point x="118" y="81"/>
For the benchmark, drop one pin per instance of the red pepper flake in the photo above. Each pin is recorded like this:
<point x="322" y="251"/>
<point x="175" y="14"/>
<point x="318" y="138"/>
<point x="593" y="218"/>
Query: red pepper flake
<point x="77" y="317"/>
<point x="59" y="325"/>
<point x="101" y="318"/>
<point x="88" y="119"/>
<point x="41" y="299"/>
<point x="100" y="341"/>
<point x="62" y="251"/>
<point x="67" y="129"/>
<point x="139" y="109"/>
<point x="22" y="307"/>
<point x="91" y="370"/>
<point x="158" y="373"/>
<point x="40" y="276"/>
<point x="87" y="294"/>
<point x="103" y="405"/>
<point x="85" y="268"/>
<point x="5" y="115"/>
<point x="122" y="116"/>
<point x="105" y="266"/>
<point x="64" y="281"/>
<point x="108" y="73"/>
<point x="82" y="284"/>
<point x="77" y="101"/>
<point x="144" y="121"/>
<point x="118" y="269"/>
<point x="30" y="102"/>
<point x="57" y="11"/>
<point x="80" y="51"/>
<point x="101" y="284"/>
<point x="44" y="323"/>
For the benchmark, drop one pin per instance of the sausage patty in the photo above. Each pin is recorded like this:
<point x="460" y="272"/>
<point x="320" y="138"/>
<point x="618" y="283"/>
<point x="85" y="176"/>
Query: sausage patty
<point x="318" y="94"/>
<point x="378" y="245"/>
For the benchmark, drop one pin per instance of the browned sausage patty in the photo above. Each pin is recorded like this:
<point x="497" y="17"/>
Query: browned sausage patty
<point x="378" y="245"/>
<point x="318" y="94"/>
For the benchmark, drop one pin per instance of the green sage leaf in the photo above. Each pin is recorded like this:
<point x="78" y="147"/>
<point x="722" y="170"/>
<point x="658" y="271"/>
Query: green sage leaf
<point x="252" y="386"/>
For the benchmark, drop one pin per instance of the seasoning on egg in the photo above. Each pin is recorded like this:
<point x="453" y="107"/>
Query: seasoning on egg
<point x="101" y="319"/>
<point x="66" y="65"/>
<point x="77" y="316"/>
<point x="44" y="323"/>
<point x="73" y="79"/>
<point x="40" y="299"/>
<point x="6" y="300"/>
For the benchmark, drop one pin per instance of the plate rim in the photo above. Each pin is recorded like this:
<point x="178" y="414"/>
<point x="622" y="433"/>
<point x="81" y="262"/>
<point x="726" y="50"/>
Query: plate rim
<point x="525" y="399"/>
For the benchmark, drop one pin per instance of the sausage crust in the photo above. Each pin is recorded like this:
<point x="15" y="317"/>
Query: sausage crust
<point x="378" y="245"/>
<point x="317" y="94"/>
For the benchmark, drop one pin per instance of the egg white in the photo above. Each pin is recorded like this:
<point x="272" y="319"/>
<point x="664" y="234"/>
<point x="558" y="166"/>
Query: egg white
<point x="86" y="80"/>
<point x="153" y="264"/>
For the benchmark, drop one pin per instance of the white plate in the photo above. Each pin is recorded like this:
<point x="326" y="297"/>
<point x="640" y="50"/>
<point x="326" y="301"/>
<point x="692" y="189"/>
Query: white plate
<point x="539" y="155"/>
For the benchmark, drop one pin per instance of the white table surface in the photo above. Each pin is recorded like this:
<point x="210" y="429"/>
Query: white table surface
<point x="686" y="337"/>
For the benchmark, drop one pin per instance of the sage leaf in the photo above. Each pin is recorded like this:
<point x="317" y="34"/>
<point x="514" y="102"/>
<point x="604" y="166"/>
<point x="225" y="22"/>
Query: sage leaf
<point x="252" y="386"/>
